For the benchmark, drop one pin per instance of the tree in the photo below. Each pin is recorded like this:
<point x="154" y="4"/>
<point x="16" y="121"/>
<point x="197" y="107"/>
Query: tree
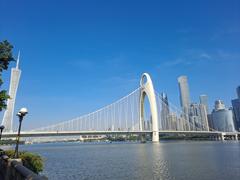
<point x="5" y="58"/>
<point x="30" y="160"/>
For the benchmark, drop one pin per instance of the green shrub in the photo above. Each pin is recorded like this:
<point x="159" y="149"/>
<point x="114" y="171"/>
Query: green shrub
<point x="31" y="161"/>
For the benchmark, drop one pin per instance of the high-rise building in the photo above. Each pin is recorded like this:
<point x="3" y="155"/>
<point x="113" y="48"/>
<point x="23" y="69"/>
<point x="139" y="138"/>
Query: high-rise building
<point x="198" y="117"/>
<point x="204" y="117"/>
<point x="8" y="114"/>
<point x="238" y="92"/>
<point x="236" y="110"/>
<point x="180" y="123"/>
<point x="194" y="116"/>
<point x="184" y="91"/>
<point x="204" y="101"/>
<point x="222" y="118"/>
<point x="184" y="98"/>
<point x="165" y="111"/>
<point x="210" y="122"/>
<point x="172" y="118"/>
<point x="219" y="105"/>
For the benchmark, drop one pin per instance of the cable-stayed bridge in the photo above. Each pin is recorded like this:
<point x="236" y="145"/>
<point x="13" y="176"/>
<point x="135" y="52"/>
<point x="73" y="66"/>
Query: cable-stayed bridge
<point x="128" y="116"/>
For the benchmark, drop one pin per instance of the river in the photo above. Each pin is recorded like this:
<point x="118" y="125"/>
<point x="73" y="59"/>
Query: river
<point x="184" y="160"/>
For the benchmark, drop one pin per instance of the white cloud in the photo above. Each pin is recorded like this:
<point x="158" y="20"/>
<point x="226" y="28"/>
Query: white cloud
<point x="192" y="56"/>
<point x="205" y="55"/>
<point x="178" y="61"/>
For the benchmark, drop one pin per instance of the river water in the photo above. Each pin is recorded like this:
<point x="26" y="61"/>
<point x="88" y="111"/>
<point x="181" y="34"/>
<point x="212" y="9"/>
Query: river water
<point x="200" y="160"/>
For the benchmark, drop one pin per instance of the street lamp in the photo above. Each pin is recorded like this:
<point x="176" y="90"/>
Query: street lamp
<point x="1" y="130"/>
<point x="20" y="114"/>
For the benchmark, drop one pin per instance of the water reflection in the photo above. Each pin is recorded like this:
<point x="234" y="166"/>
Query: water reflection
<point x="160" y="164"/>
<point x="152" y="162"/>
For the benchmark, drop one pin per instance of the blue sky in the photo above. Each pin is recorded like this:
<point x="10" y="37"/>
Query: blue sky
<point x="77" y="56"/>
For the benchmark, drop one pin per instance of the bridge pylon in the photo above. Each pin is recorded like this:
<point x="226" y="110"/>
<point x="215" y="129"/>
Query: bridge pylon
<point x="148" y="90"/>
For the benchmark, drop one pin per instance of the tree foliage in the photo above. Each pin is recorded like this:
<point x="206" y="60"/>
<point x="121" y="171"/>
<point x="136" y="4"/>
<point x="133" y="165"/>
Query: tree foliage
<point x="31" y="161"/>
<point x="5" y="59"/>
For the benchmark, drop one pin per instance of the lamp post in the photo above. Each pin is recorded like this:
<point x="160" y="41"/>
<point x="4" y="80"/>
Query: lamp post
<point x="1" y="130"/>
<point x="20" y="114"/>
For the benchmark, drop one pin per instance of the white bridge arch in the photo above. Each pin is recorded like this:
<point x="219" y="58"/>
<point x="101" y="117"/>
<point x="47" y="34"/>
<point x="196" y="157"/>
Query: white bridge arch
<point x="148" y="90"/>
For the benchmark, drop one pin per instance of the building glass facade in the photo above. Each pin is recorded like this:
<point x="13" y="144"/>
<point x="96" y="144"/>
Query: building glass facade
<point x="184" y="99"/>
<point x="236" y="110"/>
<point x="204" y="100"/>
<point x="222" y="118"/>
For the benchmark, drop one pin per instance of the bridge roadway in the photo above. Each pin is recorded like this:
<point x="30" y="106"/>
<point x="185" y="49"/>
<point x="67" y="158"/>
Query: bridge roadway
<point x="77" y="133"/>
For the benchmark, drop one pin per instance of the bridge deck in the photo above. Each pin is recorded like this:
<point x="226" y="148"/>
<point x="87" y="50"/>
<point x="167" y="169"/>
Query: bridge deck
<point x="77" y="133"/>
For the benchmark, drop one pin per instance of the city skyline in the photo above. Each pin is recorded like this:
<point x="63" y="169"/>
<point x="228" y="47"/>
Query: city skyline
<point x="183" y="78"/>
<point x="188" y="107"/>
<point x="68" y="70"/>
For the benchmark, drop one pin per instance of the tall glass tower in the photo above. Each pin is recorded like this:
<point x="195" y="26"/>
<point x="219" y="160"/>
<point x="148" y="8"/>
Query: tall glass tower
<point x="222" y="118"/>
<point x="184" y="98"/>
<point x="184" y="91"/>
<point x="165" y="112"/>
<point x="8" y="115"/>
<point x="236" y="110"/>
<point x="238" y="92"/>
<point x="204" y="101"/>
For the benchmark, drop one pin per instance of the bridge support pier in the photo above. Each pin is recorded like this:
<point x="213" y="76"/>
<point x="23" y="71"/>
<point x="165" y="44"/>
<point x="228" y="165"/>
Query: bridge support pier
<point x="236" y="137"/>
<point x="219" y="137"/>
<point x="143" y="138"/>
<point x="222" y="136"/>
<point x="155" y="136"/>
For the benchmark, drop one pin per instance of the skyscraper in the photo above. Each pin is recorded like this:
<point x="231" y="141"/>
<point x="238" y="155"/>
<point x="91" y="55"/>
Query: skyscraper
<point x="236" y="110"/>
<point x="198" y="117"/>
<point x="172" y="118"/>
<point x="194" y="116"/>
<point x="222" y="118"/>
<point x="219" y="105"/>
<point x="204" y="101"/>
<point x="8" y="114"/>
<point x="184" y="91"/>
<point x="184" y="98"/>
<point x="238" y="92"/>
<point x="165" y="111"/>
<point x="204" y="117"/>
